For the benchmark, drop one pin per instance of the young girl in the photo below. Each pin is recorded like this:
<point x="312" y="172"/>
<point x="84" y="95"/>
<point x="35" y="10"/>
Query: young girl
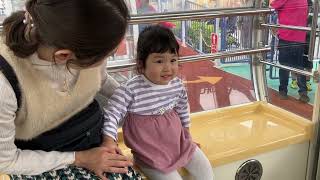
<point x="52" y="56"/>
<point x="153" y="107"/>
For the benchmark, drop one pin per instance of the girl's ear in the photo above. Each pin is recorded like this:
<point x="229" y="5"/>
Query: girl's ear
<point x="63" y="55"/>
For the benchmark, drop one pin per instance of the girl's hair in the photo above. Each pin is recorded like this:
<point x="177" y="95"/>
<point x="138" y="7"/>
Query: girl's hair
<point x="91" y="29"/>
<point x="154" y="39"/>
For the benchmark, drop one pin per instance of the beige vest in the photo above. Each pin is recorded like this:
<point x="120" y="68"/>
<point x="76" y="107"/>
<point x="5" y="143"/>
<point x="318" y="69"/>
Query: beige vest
<point x="42" y="108"/>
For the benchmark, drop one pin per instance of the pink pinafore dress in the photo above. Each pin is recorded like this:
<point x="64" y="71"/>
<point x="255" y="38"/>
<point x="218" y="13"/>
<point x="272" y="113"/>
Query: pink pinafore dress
<point x="158" y="141"/>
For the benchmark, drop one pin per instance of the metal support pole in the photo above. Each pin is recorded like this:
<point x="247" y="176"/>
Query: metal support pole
<point x="313" y="30"/>
<point x="257" y="68"/>
<point x="313" y="158"/>
<point x="194" y="58"/>
<point x="183" y="25"/>
<point x="135" y="28"/>
<point x="200" y="42"/>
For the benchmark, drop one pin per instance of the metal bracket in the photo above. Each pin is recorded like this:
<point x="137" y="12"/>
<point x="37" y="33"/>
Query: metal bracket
<point x="259" y="56"/>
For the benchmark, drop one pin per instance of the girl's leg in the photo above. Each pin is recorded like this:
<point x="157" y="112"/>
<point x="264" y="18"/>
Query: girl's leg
<point x="158" y="175"/>
<point x="199" y="166"/>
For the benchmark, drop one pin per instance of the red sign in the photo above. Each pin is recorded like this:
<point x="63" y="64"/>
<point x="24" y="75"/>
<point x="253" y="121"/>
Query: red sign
<point x="214" y="42"/>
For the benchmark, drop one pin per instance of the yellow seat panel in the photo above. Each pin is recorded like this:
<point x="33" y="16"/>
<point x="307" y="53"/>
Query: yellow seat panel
<point x="4" y="177"/>
<point x="239" y="132"/>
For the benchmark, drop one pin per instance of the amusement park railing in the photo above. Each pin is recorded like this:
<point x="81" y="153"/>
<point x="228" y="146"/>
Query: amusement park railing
<point x="202" y="57"/>
<point x="196" y="15"/>
<point x="199" y="31"/>
<point x="232" y="32"/>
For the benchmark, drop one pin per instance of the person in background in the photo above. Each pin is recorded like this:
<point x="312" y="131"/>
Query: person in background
<point x="51" y="66"/>
<point x="308" y="65"/>
<point x="291" y="43"/>
<point x="153" y="108"/>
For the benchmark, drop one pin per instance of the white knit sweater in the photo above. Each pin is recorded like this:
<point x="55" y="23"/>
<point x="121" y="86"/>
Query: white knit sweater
<point x="16" y="161"/>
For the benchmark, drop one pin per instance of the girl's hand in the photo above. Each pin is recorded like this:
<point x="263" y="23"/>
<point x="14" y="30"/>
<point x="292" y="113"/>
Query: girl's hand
<point x="109" y="143"/>
<point x="198" y="144"/>
<point x="186" y="128"/>
<point x="102" y="159"/>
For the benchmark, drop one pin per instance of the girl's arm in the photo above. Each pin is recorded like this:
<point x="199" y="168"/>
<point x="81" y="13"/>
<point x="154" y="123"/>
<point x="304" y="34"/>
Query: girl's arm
<point x="182" y="108"/>
<point x="16" y="161"/>
<point x="115" y="111"/>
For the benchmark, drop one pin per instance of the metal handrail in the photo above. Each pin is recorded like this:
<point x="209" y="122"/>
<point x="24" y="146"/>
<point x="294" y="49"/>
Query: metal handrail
<point x="199" y="14"/>
<point x="298" y="71"/>
<point x="201" y="57"/>
<point x="302" y="28"/>
<point x="204" y="57"/>
<point x="313" y="30"/>
<point x="192" y="15"/>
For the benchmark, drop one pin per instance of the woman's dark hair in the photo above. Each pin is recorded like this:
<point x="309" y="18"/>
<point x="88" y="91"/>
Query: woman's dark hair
<point x="154" y="39"/>
<point x="89" y="28"/>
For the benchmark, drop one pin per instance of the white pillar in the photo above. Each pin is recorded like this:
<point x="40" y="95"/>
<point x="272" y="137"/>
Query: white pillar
<point x="183" y="26"/>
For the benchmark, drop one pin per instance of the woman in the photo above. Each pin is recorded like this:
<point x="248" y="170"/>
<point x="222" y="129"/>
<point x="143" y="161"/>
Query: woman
<point x="51" y="60"/>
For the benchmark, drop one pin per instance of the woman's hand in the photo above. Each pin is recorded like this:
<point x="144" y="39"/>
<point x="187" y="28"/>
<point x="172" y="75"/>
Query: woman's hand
<point x="102" y="159"/>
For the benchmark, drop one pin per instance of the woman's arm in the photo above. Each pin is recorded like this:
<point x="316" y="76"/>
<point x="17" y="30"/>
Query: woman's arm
<point x="16" y="161"/>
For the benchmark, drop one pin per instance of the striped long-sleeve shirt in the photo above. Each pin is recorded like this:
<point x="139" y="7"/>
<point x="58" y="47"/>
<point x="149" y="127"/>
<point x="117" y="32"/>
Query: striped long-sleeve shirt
<point x="140" y="96"/>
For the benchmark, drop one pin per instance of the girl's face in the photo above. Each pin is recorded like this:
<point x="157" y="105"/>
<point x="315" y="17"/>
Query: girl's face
<point x="161" y="68"/>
